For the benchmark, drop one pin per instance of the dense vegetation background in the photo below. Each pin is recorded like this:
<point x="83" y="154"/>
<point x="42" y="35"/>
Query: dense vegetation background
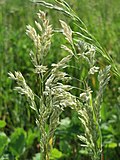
<point x="17" y="125"/>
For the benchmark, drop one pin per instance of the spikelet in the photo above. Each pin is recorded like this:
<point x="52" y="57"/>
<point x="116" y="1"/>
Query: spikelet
<point x="23" y="88"/>
<point x="67" y="31"/>
<point x="42" y="40"/>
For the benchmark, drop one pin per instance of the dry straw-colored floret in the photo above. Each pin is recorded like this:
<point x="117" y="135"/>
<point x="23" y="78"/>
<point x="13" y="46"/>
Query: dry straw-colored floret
<point x="103" y="78"/>
<point x="41" y="41"/>
<point x="93" y="70"/>
<point x="23" y="88"/>
<point x="40" y="69"/>
<point x="67" y="49"/>
<point x="67" y="31"/>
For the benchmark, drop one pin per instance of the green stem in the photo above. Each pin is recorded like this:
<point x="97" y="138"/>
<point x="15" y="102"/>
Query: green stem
<point x="45" y="155"/>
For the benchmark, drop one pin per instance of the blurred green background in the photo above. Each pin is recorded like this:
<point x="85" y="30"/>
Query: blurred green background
<point x="18" y="132"/>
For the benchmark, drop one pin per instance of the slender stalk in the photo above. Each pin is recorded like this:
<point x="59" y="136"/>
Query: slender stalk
<point x="45" y="155"/>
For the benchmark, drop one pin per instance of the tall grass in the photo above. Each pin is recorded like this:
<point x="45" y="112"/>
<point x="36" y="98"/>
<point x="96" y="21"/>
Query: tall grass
<point x="102" y="21"/>
<point x="52" y="95"/>
<point x="54" y="92"/>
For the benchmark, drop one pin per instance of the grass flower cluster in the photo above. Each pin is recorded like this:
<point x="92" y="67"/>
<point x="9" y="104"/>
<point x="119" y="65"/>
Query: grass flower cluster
<point x="54" y="92"/>
<point x="53" y="95"/>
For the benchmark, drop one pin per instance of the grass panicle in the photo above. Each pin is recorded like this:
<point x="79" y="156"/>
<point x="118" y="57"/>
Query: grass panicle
<point x="89" y="114"/>
<point x="54" y="92"/>
<point x="52" y="95"/>
<point x="83" y="33"/>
